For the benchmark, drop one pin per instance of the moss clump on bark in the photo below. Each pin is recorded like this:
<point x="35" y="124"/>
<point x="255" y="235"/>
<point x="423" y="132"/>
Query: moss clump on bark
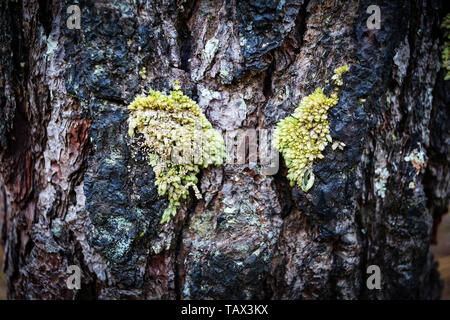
<point x="179" y="141"/>
<point x="302" y="136"/>
<point x="446" y="51"/>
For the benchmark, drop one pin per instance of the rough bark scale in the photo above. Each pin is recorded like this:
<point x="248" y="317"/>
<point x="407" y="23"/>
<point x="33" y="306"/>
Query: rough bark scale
<point x="72" y="193"/>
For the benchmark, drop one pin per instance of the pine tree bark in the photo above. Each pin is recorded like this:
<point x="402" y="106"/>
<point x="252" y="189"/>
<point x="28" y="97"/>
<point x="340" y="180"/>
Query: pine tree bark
<point x="71" y="194"/>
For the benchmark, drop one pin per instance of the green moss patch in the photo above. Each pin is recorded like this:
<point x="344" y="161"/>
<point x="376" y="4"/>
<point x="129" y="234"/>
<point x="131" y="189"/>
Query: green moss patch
<point x="302" y="136"/>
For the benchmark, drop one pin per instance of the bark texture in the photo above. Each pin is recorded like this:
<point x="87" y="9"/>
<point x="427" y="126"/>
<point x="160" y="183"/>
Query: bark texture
<point x="72" y="194"/>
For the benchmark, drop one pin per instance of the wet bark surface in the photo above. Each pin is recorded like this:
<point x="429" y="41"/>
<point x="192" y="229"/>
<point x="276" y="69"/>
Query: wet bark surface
<point x="75" y="189"/>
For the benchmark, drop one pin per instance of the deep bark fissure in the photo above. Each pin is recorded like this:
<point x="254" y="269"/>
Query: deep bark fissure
<point x="267" y="83"/>
<point x="441" y="98"/>
<point x="179" y="256"/>
<point x="18" y="142"/>
<point x="300" y="22"/>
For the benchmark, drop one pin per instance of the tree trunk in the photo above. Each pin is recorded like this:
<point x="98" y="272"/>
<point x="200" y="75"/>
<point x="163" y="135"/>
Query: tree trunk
<point x="72" y="194"/>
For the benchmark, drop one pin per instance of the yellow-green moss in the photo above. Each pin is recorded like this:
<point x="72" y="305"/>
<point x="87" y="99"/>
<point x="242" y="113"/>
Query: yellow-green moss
<point x="179" y="141"/>
<point x="303" y="136"/>
<point x="446" y="51"/>
<point x="337" y="77"/>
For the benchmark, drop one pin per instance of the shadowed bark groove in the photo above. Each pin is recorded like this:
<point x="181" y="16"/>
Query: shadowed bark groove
<point x="75" y="189"/>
